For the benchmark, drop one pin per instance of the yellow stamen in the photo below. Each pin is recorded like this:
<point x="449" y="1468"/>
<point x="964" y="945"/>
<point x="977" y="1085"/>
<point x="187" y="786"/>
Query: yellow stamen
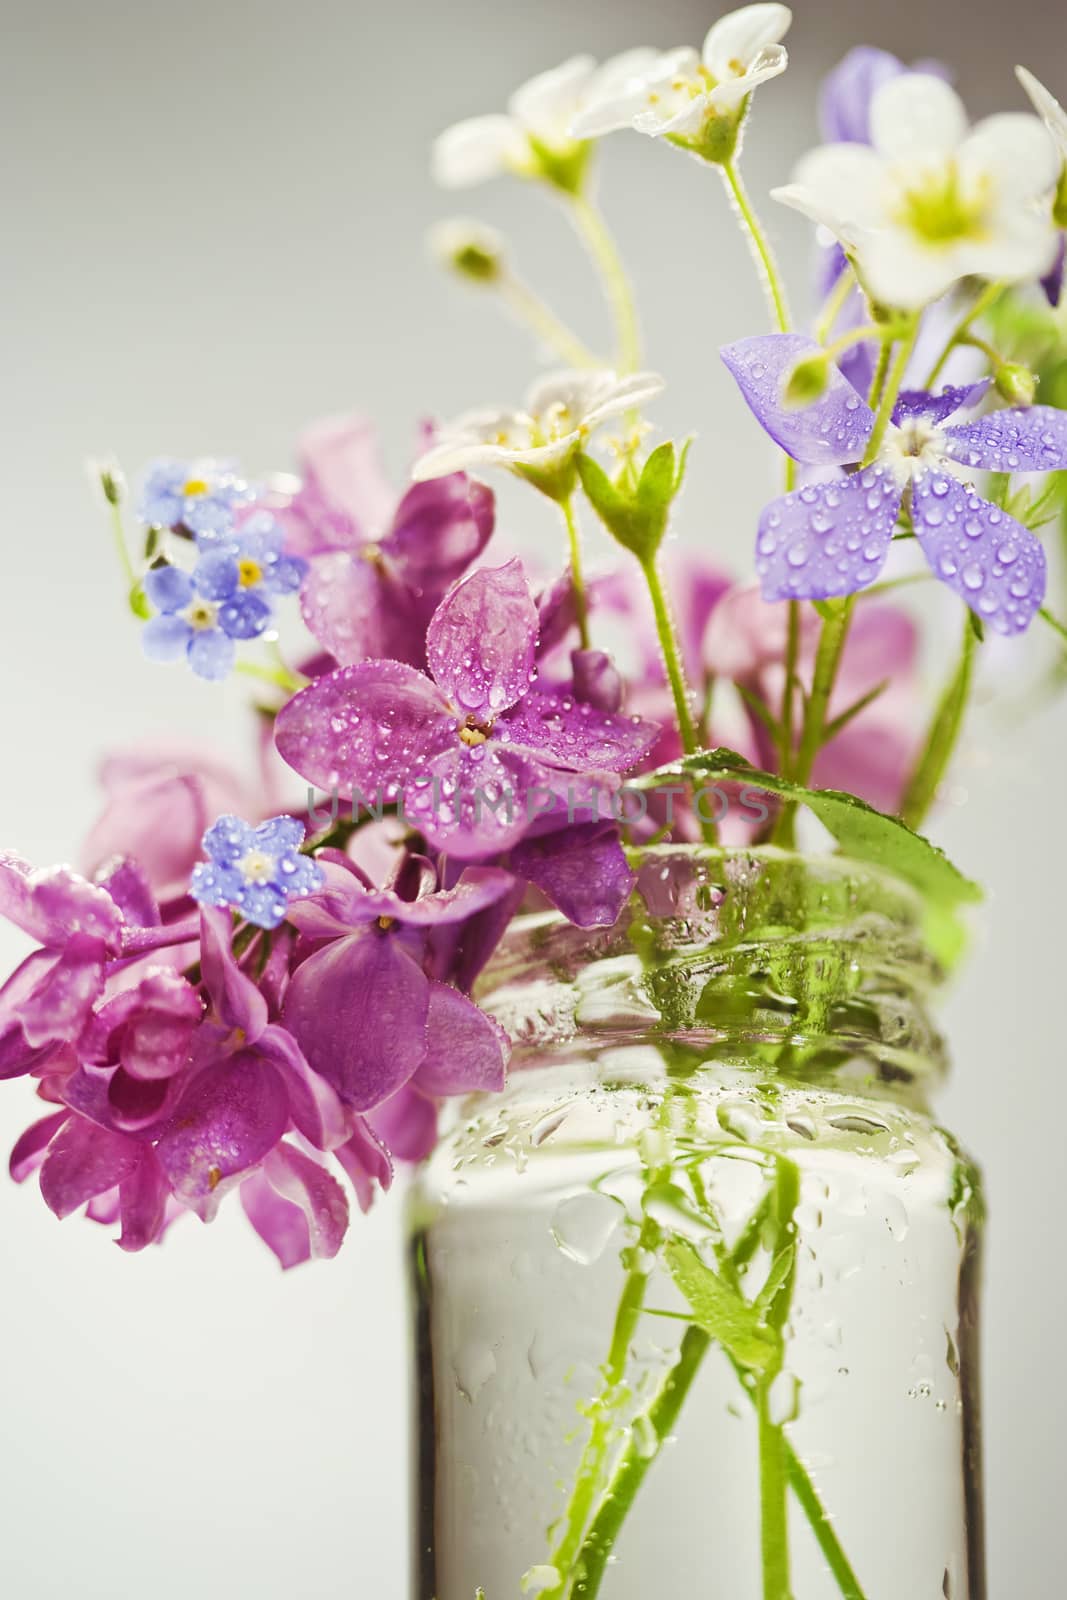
<point x="249" y="572"/>
<point x="472" y="735"/>
<point x="194" y="486"/>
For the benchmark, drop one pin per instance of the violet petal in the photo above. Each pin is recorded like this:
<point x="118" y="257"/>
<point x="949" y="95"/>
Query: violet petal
<point x="82" y="1161"/>
<point x="575" y="735"/>
<point x="597" y="680"/>
<point x="357" y="610"/>
<point x="936" y="408"/>
<point x="143" y="1197"/>
<point x="61" y="1003"/>
<point x="125" y="881"/>
<point x="407" y="1122"/>
<point x="341" y="462"/>
<point x="52" y="904"/>
<point x="303" y="1182"/>
<point x="29" y="1148"/>
<point x="365" y="729"/>
<point x="583" y="871"/>
<point x="282" y="1226"/>
<point x="358" y="1011"/>
<point x="831" y="432"/>
<point x="467" y="1050"/>
<point x="236" y="999"/>
<point x="314" y="1104"/>
<point x="229" y="1117"/>
<point x="827" y="538"/>
<point x="365" y="1159"/>
<point x="439" y="528"/>
<point x="1033" y="439"/>
<point x="991" y="561"/>
<point x="473" y="891"/>
<point x="481" y="640"/>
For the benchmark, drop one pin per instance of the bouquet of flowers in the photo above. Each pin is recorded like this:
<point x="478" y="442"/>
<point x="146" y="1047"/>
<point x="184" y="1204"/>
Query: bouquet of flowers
<point x="270" y="987"/>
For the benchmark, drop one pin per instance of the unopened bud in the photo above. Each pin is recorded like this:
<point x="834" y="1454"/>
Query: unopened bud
<point x="106" y="476"/>
<point x="1016" y="384"/>
<point x="807" y="380"/>
<point x="1059" y="204"/>
<point x="469" y="248"/>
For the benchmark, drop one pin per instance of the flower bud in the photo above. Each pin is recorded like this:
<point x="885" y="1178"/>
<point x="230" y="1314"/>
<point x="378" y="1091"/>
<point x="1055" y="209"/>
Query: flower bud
<point x="468" y="248"/>
<point x="1016" y="384"/>
<point x="106" y="476"/>
<point x="1059" y="204"/>
<point x="807" y="380"/>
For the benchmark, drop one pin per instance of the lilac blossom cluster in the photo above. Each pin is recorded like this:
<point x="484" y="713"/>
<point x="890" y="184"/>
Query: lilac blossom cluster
<point x="238" y="992"/>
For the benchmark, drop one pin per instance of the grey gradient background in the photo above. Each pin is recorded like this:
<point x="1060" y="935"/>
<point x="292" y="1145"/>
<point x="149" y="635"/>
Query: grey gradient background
<point x="212" y="230"/>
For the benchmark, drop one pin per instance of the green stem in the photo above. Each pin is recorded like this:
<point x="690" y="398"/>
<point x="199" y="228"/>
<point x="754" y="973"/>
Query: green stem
<point x="827" y="661"/>
<point x="834" y="304"/>
<point x="821" y="1526"/>
<point x="988" y="296"/>
<point x="672" y="656"/>
<point x="119" y="533"/>
<point x="762" y="253"/>
<point x="281" y="677"/>
<point x="942" y="735"/>
<point x="881" y="371"/>
<point x="574" y="539"/>
<point x="890" y="390"/>
<point x="604" y="251"/>
<point x="528" y="307"/>
<point x="774" y="1508"/>
<point x="792" y="652"/>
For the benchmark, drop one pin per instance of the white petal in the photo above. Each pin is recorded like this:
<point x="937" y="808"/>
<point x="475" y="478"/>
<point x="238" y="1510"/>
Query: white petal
<point x="620" y="72"/>
<point x="610" y="112"/>
<point x="1021" y="247"/>
<point x="480" y="148"/>
<point x="1047" y="107"/>
<point x="677" y="112"/>
<point x="624" y="395"/>
<point x="1018" y="150"/>
<point x="770" y="63"/>
<point x="900" y="271"/>
<point x="733" y="43"/>
<point x="573" y="389"/>
<point x="547" y="104"/>
<point x="842" y="186"/>
<point x="916" y="115"/>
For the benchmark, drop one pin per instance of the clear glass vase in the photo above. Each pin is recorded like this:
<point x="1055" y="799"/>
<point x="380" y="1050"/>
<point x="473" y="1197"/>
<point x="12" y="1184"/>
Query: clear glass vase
<point x="696" y="1296"/>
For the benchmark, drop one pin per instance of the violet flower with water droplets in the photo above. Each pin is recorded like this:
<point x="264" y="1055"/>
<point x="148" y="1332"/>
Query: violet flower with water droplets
<point x="472" y="751"/>
<point x="832" y="538"/>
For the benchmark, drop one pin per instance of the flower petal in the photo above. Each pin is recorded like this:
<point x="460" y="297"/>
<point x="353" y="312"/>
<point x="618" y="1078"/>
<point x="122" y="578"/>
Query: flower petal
<point x="365" y="728"/>
<point x="467" y="1050"/>
<point x="917" y="116"/>
<point x="846" y="93"/>
<point x="827" y="538"/>
<point x="1047" y="107"/>
<point x="838" y="185"/>
<point x="29" y="1148"/>
<point x="304" y="1183"/>
<point x="314" y="1105"/>
<point x="770" y="63"/>
<point x="406" y="1123"/>
<point x="597" y="680"/>
<point x="545" y="105"/>
<point x="60" y="1004"/>
<point x="991" y="561"/>
<point x="831" y="432"/>
<point x="282" y="1226"/>
<point x="937" y="407"/>
<point x="440" y="527"/>
<point x="235" y="997"/>
<point x="1015" y="440"/>
<point x="143" y="1197"/>
<point x="1018" y="150"/>
<point x="53" y="903"/>
<point x="480" y="642"/>
<point x="358" y="610"/>
<point x="474" y="890"/>
<point x="341" y="462"/>
<point x="358" y="1011"/>
<point x="84" y="1160"/>
<point x="582" y="870"/>
<point x="574" y="735"/>
<point x="737" y="38"/>
<point x="230" y="1116"/>
<point x="481" y="147"/>
<point x="365" y="1159"/>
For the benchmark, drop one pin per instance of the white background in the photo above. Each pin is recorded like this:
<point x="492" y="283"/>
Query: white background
<point x="212" y="224"/>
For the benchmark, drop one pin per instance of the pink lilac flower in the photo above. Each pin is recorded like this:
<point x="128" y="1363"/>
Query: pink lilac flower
<point x="832" y="538"/>
<point x="873" y="754"/>
<point x="257" y="869"/>
<point x="472" y="749"/>
<point x="378" y="567"/>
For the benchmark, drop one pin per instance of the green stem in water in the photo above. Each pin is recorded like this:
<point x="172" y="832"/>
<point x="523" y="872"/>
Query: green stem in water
<point x="598" y="240"/>
<point x="574" y="540"/>
<point x="766" y="264"/>
<point x="774" y="1505"/>
<point x="942" y="735"/>
<point x="988" y="296"/>
<point x="528" y="308"/>
<point x="672" y="656"/>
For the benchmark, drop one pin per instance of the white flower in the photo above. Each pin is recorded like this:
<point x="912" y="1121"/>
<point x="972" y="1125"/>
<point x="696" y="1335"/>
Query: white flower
<point x="931" y="200"/>
<point x="534" y="138"/>
<point x="539" y="443"/>
<point x="677" y="93"/>
<point x="1054" y="117"/>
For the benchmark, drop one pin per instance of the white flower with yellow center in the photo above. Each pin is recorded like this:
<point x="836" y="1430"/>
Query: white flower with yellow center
<point x="932" y="200"/>
<point x="541" y="442"/>
<point x="533" y="139"/>
<point x="1054" y="117"/>
<point x="682" y="95"/>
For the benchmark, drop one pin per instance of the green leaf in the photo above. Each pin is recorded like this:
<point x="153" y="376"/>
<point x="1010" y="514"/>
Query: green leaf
<point x="778" y="1277"/>
<point x="656" y="489"/>
<point x="723" y="1313"/>
<point x="623" y="518"/>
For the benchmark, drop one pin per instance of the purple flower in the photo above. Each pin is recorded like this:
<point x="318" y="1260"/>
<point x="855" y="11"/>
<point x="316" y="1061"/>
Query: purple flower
<point x="243" y="572"/>
<point x="472" y="751"/>
<point x="187" y="625"/>
<point x="361" y="1007"/>
<point x="847" y="91"/>
<point x="832" y="538"/>
<point x="378" y="569"/>
<point x="255" y="869"/>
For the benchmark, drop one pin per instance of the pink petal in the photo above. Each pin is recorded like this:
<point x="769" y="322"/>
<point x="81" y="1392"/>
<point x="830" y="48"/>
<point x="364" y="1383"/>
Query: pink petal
<point x="84" y="1160"/>
<point x="29" y="1148"/>
<point x="407" y="1122"/>
<point x="475" y="889"/>
<point x="61" y="1003"/>
<point x="358" y="1011"/>
<point x="303" y="1182"/>
<point x="341" y="461"/>
<point x="124" y="880"/>
<point x="143" y="1200"/>
<point x="467" y="1049"/>
<point x="440" y="527"/>
<point x="230" y="1116"/>
<point x="358" y="610"/>
<point x="281" y="1225"/>
<point x="582" y="870"/>
<point x="366" y="1160"/>
<point x="597" y="681"/>
<point x="314" y="1104"/>
<point x="365" y="729"/>
<point x="573" y="734"/>
<point x="481" y="639"/>
<point x="52" y="904"/>
<point x="235" y="997"/>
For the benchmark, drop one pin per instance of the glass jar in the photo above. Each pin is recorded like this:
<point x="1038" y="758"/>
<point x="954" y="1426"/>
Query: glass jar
<point x="696" y="1295"/>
